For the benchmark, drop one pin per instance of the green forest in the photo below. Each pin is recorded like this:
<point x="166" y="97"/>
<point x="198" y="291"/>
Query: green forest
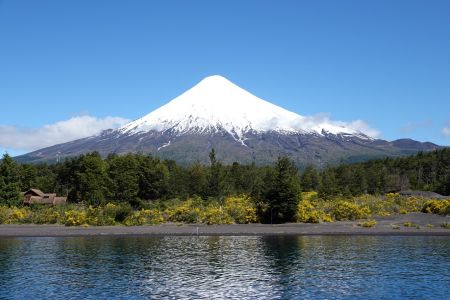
<point x="273" y="193"/>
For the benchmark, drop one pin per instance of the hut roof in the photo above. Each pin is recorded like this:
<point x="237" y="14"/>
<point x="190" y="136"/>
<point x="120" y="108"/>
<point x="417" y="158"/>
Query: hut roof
<point x="35" y="191"/>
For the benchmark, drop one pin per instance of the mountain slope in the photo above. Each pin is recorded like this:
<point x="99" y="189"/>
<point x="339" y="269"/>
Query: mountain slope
<point x="240" y="126"/>
<point x="216" y="104"/>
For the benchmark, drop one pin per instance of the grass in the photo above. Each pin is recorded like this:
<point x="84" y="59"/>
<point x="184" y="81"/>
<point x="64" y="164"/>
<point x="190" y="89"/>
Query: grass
<point x="368" y="224"/>
<point x="446" y="225"/>
<point x="411" y="224"/>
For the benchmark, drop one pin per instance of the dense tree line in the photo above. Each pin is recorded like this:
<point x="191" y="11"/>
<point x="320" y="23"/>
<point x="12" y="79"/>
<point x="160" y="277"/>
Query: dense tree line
<point x="134" y="178"/>
<point x="428" y="171"/>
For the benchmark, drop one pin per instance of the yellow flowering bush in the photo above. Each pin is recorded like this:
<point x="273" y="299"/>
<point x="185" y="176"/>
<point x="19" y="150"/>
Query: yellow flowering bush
<point x="74" y="218"/>
<point x="307" y="213"/>
<point x="368" y="223"/>
<point x="135" y="219"/>
<point x="144" y="216"/>
<point x="213" y="214"/>
<point x="349" y="211"/>
<point x="412" y="204"/>
<point x="327" y="218"/>
<point x="186" y="212"/>
<point x="441" y="207"/>
<point x="18" y="215"/>
<point x="392" y="196"/>
<point x="241" y="209"/>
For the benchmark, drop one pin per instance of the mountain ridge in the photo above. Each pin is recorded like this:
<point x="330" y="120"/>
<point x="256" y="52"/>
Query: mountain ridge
<point x="218" y="114"/>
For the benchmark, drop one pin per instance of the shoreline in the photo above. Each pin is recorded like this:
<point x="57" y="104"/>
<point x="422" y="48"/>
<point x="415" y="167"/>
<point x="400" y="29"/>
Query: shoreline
<point x="427" y="225"/>
<point x="180" y="231"/>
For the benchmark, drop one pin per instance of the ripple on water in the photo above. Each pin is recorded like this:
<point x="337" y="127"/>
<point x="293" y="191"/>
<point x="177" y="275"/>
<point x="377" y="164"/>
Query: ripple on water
<point x="319" y="267"/>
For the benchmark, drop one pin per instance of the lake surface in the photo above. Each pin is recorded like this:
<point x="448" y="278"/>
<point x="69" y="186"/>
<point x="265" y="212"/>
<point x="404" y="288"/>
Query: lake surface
<point x="311" y="267"/>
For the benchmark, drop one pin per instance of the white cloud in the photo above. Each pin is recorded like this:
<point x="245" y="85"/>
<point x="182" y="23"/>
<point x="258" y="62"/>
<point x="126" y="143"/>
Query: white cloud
<point x="365" y="128"/>
<point x="323" y="121"/>
<point x="19" y="140"/>
<point x="446" y="131"/>
<point x="29" y="139"/>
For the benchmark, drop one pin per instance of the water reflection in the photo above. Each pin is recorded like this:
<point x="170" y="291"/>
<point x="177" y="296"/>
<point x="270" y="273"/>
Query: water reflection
<point x="225" y="268"/>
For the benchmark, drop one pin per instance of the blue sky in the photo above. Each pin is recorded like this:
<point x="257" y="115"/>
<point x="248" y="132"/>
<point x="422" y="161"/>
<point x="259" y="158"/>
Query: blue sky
<point x="68" y="66"/>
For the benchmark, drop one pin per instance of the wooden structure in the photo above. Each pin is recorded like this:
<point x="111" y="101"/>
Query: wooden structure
<point x="35" y="196"/>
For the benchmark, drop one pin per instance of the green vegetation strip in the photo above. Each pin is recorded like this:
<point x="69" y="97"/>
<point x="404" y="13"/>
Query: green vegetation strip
<point x="137" y="189"/>
<point x="231" y="210"/>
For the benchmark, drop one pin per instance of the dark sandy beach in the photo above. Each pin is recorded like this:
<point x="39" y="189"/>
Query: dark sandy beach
<point x="427" y="224"/>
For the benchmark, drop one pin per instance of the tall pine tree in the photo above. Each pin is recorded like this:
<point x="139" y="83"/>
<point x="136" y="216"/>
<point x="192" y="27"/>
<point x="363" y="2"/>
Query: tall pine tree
<point x="214" y="180"/>
<point x="283" y="193"/>
<point x="9" y="182"/>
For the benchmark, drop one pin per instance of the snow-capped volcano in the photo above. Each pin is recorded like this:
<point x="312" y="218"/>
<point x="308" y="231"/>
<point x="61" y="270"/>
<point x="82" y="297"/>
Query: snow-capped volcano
<point x="242" y="128"/>
<point x="216" y="104"/>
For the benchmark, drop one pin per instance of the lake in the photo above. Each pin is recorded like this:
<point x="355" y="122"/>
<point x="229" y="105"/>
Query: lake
<point x="278" y="267"/>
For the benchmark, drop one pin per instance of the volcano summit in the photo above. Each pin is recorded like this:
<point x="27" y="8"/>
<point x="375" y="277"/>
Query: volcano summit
<point x="218" y="114"/>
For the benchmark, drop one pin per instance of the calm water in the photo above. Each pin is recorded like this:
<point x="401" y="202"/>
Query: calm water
<point x="320" y="267"/>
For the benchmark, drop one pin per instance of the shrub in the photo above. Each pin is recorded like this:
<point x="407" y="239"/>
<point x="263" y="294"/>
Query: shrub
<point x="445" y="210"/>
<point x="349" y="211"/>
<point x="413" y="204"/>
<point x="74" y="218"/>
<point x="18" y="215"/>
<point x="46" y="216"/>
<point x="327" y="218"/>
<point x="441" y="207"/>
<point x="411" y="224"/>
<point x="4" y="212"/>
<point x="392" y="196"/>
<point x="368" y="223"/>
<point x="432" y="207"/>
<point x="97" y="216"/>
<point x="307" y="213"/>
<point x="110" y="210"/>
<point x="154" y="216"/>
<point x="119" y="212"/>
<point x="186" y="212"/>
<point x="213" y="214"/>
<point x="135" y="219"/>
<point x="144" y="216"/>
<point x="241" y="209"/>
<point x="446" y="225"/>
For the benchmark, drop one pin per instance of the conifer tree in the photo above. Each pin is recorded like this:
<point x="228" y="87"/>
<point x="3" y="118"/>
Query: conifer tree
<point x="310" y="179"/>
<point x="283" y="192"/>
<point x="214" y="176"/>
<point x="9" y="182"/>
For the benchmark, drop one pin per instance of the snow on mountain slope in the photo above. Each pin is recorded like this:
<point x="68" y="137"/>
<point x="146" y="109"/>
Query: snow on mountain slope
<point x="216" y="104"/>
